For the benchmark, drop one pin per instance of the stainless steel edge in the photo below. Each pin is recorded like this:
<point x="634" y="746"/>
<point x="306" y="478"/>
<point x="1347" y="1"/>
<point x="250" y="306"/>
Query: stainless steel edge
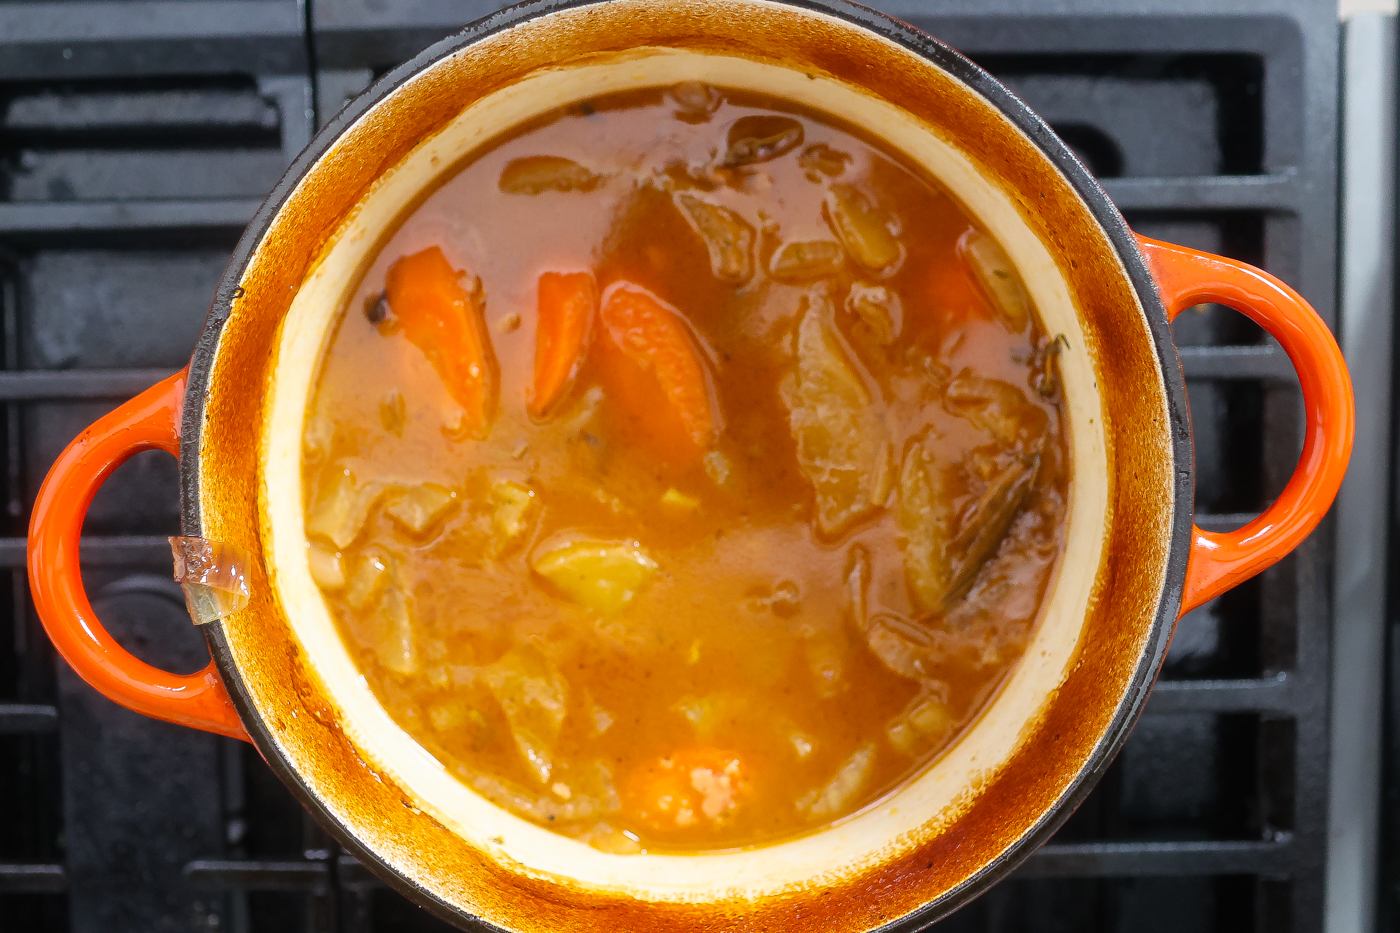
<point x="1367" y="221"/>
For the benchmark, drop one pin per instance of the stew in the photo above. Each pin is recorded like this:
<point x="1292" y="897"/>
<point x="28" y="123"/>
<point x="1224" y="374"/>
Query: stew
<point x="687" y="470"/>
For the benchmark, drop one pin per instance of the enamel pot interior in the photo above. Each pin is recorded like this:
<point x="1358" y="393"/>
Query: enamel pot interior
<point x="1007" y="782"/>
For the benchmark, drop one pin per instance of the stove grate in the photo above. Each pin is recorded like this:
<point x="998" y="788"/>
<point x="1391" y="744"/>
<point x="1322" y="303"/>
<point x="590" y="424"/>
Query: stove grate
<point x="134" y="150"/>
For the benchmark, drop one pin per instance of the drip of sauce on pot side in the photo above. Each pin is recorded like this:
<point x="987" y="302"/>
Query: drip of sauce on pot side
<point x="686" y="471"/>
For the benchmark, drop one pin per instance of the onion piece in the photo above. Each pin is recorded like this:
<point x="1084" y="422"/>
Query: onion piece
<point x="862" y="228"/>
<point x="759" y="138"/>
<point x="999" y="278"/>
<point x="806" y="261"/>
<point x="537" y="174"/>
<point x="843" y="444"/>
<point x="838" y="793"/>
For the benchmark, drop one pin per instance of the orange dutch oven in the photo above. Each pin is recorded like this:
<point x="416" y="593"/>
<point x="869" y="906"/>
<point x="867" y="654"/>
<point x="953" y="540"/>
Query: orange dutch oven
<point x="1133" y="560"/>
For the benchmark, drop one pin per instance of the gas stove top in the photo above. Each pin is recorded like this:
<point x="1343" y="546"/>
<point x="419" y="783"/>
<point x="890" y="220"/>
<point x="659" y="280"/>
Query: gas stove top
<point x="136" y="140"/>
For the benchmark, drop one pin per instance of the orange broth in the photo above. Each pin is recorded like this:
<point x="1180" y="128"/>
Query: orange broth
<point x="661" y="531"/>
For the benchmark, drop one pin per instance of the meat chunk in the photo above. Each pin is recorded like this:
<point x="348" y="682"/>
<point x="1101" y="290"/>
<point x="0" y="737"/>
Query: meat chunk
<point x="943" y="554"/>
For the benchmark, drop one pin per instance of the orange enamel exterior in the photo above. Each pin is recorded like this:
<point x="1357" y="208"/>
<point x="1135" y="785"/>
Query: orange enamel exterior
<point x="1223" y="560"/>
<point x="150" y="421"/>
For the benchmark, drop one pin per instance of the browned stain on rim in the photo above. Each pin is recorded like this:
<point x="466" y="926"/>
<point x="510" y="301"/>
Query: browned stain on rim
<point x="283" y="702"/>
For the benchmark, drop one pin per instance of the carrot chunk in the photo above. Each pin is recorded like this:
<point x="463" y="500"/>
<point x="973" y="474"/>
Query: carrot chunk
<point x="955" y="293"/>
<point x="567" y="304"/>
<point x="651" y="370"/>
<point x="444" y="320"/>
<point x="691" y="788"/>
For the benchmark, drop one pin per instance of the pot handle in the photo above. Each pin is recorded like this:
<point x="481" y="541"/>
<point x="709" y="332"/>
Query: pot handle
<point x="1187" y="277"/>
<point x="149" y="421"/>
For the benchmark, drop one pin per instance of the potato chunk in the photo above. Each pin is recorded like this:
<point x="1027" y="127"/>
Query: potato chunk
<point x="728" y="237"/>
<point x="999" y="278"/>
<point x="533" y="696"/>
<point x="600" y="575"/>
<point x="678" y="503"/>
<point x="843" y="445"/>
<point x="418" y="508"/>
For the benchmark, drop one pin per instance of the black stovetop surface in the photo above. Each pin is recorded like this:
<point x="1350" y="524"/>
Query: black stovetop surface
<point x="137" y="138"/>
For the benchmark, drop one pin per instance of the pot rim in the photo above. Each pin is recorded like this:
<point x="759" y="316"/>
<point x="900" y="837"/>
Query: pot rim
<point x="925" y="46"/>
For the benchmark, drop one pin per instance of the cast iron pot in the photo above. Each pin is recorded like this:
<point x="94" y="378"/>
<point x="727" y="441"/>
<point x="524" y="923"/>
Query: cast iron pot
<point x="1133" y="561"/>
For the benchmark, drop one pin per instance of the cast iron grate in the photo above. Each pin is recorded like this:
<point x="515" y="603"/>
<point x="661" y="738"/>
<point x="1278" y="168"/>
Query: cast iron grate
<point x="135" y="147"/>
